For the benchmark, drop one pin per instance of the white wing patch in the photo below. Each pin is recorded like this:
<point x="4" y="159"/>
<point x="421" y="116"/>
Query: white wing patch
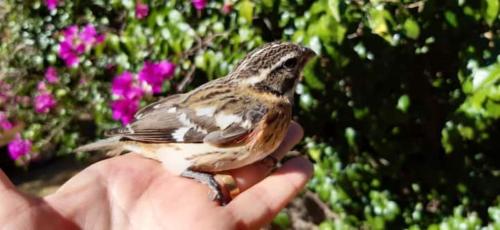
<point x="185" y="121"/>
<point x="247" y="124"/>
<point x="172" y="110"/>
<point x="205" y="111"/>
<point x="225" y="120"/>
<point x="129" y="128"/>
<point x="179" y="134"/>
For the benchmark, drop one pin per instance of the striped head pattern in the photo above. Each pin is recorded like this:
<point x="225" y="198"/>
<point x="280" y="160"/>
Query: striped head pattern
<point x="274" y="68"/>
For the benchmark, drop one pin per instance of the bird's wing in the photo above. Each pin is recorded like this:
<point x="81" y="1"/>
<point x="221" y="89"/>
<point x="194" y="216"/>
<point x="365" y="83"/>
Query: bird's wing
<point x="164" y="102"/>
<point x="169" y="121"/>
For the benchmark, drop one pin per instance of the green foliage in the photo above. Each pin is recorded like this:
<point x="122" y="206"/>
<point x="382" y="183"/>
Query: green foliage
<point x="401" y="110"/>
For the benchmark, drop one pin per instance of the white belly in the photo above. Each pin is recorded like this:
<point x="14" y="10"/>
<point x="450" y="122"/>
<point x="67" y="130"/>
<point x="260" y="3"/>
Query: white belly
<point x="178" y="157"/>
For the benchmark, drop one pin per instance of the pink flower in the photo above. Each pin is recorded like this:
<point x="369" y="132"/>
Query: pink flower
<point x="5" y="124"/>
<point x="124" y="109"/>
<point x="5" y="92"/>
<point x="100" y="38"/>
<point x="41" y="86"/>
<point x="88" y="35"/>
<point x="154" y="74"/>
<point x="68" y="54"/>
<point x="51" y="4"/>
<point x="44" y="102"/>
<point x="74" y="44"/>
<point x="141" y="10"/>
<point x="227" y="7"/>
<point x="123" y="86"/>
<point x="19" y="147"/>
<point x="51" y="75"/>
<point x="69" y="34"/>
<point x="121" y="83"/>
<point x="199" y="4"/>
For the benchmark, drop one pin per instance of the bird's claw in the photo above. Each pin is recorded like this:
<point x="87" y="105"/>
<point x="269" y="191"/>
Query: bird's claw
<point x="215" y="193"/>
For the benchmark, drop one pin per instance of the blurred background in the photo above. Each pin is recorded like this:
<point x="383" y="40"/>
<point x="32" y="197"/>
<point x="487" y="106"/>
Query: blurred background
<point x="401" y="109"/>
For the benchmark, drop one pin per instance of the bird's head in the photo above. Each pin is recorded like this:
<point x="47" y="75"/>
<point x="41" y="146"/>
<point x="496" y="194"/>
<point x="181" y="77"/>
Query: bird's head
<point x="273" y="68"/>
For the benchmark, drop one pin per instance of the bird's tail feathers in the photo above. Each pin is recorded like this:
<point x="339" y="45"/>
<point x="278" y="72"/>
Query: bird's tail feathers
<point x="112" y="145"/>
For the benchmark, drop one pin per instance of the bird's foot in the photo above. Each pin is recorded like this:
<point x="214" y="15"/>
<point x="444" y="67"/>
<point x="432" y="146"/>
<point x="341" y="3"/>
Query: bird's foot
<point x="208" y="179"/>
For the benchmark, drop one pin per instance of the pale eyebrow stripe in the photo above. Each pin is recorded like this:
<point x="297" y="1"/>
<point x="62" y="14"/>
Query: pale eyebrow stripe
<point x="264" y="72"/>
<point x="245" y="62"/>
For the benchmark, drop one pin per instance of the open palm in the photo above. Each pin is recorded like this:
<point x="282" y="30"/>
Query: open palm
<point x="134" y="192"/>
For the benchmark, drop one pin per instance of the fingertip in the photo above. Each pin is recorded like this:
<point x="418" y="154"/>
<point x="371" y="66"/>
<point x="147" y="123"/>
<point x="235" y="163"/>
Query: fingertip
<point x="296" y="130"/>
<point x="270" y="195"/>
<point x="299" y="164"/>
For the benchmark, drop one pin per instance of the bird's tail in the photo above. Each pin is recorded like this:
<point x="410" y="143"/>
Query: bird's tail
<point x="112" y="145"/>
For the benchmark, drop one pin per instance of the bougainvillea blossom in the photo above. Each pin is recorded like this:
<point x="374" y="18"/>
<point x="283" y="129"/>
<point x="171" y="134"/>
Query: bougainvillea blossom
<point x="19" y="147"/>
<point x="199" y="4"/>
<point x="124" y="109"/>
<point x="155" y="74"/>
<point x="90" y="37"/>
<point x="51" y="4"/>
<point x="5" y="124"/>
<point x="51" y="75"/>
<point x="141" y="10"/>
<point x="74" y="44"/>
<point x="123" y="86"/>
<point x="227" y="8"/>
<point x="44" y="102"/>
<point x="68" y="54"/>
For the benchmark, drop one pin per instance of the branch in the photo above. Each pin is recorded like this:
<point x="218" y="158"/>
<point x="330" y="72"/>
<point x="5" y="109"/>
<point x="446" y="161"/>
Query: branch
<point x="187" y="79"/>
<point x="420" y="5"/>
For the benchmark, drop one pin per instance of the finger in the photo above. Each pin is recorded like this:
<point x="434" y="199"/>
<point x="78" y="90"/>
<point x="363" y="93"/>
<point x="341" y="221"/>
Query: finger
<point x="293" y="137"/>
<point x="5" y="183"/>
<point x="249" y="175"/>
<point x="260" y="203"/>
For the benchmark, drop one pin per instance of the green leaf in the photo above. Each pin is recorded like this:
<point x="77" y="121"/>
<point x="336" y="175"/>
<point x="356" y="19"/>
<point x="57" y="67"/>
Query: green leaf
<point x="491" y="11"/>
<point x="377" y="21"/>
<point x="282" y="220"/>
<point x="403" y="103"/>
<point x="326" y="225"/>
<point x="350" y="135"/>
<point x="451" y="18"/>
<point x="246" y="10"/>
<point x="493" y="109"/>
<point x="268" y="3"/>
<point x="327" y="30"/>
<point x="333" y="9"/>
<point x="446" y="141"/>
<point x="412" y="29"/>
<point x="311" y="77"/>
<point x="315" y="153"/>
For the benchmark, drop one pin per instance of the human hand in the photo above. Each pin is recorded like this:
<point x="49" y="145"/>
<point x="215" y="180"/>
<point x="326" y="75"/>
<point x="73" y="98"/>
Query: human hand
<point x="131" y="191"/>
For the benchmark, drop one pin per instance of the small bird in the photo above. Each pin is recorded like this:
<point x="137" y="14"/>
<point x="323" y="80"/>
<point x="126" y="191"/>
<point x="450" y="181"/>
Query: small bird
<point x="225" y="124"/>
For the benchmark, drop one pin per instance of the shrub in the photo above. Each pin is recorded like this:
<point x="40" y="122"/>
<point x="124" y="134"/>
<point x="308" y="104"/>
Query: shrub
<point x="401" y="109"/>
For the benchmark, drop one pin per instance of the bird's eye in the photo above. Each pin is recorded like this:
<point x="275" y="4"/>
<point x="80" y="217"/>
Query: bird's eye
<point x="290" y="63"/>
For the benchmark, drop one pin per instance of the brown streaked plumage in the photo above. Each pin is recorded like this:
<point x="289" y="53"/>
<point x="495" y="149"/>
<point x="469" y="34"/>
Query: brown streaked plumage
<point x="224" y="124"/>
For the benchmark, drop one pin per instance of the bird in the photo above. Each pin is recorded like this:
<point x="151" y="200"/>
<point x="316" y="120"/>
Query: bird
<point x="224" y="124"/>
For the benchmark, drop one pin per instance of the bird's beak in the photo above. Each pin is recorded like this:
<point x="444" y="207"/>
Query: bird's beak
<point x="308" y="53"/>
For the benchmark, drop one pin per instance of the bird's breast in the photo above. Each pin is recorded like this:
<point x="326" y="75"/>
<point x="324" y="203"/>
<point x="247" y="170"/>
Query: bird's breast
<point x="271" y="131"/>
